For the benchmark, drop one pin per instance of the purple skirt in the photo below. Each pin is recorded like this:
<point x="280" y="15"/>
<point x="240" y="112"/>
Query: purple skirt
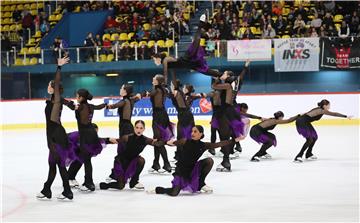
<point x="191" y="185"/>
<point x="65" y="156"/>
<point x="237" y="127"/>
<point x="307" y="132"/>
<point x="215" y="123"/>
<point x="263" y="138"/>
<point x="186" y="132"/>
<point x="125" y="172"/>
<point x="197" y="55"/>
<point x="166" y="132"/>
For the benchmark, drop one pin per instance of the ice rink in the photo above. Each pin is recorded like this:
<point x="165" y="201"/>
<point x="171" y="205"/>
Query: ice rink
<point x="271" y="190"/>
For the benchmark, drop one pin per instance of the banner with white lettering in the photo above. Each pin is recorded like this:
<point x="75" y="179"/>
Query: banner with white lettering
<point x="254" y="50"/>
<point x="143" y="107"/>
<point x="296" y="54"/>
<point x="340" y="53"/>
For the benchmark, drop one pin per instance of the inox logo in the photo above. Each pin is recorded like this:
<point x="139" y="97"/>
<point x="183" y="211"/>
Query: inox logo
<point x="296" y="54"/>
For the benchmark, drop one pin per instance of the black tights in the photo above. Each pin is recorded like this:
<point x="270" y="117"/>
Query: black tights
<point x="205" y="168"/>
<point x="52" y="175"/>
<point x="74" y="169"/>
<point x="157" y="152"/>
<point x="263" y="149"/>
<point x="120" y="183"/>
<point x="309" y="144"/>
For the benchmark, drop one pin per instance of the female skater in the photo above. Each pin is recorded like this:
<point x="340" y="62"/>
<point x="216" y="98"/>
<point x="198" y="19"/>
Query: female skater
<point x="161" y="125"/>
<point x="190" y="173"/>
<point x="128" y="163"/>
<point x="90" y="144"/>
<point x="305" y="128"/>
<point x="74" y="139"/>
<point x="57" y="139"/>
<point x="193" y="58"/>
<point x="260" y="134"/>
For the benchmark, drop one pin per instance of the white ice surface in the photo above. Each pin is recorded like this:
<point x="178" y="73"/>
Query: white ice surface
<point x="273" y="190"/>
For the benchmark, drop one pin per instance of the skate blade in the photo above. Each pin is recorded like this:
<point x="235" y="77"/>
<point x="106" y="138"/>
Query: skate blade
<point x="43" y="198"/>
<point x="222" y="170"/>
<point x="64" y="199"/>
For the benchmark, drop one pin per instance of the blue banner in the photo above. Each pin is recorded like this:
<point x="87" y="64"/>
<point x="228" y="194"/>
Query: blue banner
<point x="144" y="108"/>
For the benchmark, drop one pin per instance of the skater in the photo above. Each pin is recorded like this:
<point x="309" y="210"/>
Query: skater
<point x="260" y="134"/>
<point x="57" y="140"/>
<point x="90" y="144"/>
<point x="193" y="58"/>
<point x="162" y="127"/>
<point x="125" y="108"/>
<point x="128" y="163"/>
<point x="190" y="173"/>
<point x="74" y="139"/>
<point x="242" y="109"/>
<point x="305" y="128"/>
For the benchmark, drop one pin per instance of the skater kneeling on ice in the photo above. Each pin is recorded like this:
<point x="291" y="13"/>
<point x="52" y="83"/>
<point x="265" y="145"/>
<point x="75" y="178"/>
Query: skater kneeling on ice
<point x="128" y="163"/>
<point x="190" y="173"/>
<point x="260" y="134"/>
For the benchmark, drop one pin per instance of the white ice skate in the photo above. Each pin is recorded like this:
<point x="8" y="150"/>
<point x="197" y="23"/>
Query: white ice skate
<point x="206" y="189"/>
<point x="42" y="197"/>
<point x="235" y="155"/>
<point x="159" y="171"/>
<point x="151" y="191"/>
<point x="73" y="184"/>
<point x="266" y="156"/>
<point x="255" y="159"/>
<point x="109" y="180"/>
<point x="298" y="160"/>
<point x="221" y="168"/>
<point x="311" y="158"/>
<point x="139" y="186"/>
<point x="61" y="197"/>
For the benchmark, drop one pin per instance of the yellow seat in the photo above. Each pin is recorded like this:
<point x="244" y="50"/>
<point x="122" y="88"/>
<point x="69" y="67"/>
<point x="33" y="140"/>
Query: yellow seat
<point x="113" y="36"/>
<point x="12" y="27"/>
<point x="146" y="26"/>
<point x="133" y="44"/>
<point x="33" y="6"/>
<point x="124" y="44"/>
<point x="52" y="18"/>
<point x="338" y="18"/>
<point x="151" y="43"/>
<point x="18" y="62"/>
<point x="8" y="14"/>
<point x="338" y="26"/>
<point x="40" y="5"/>
<point x="130" y="35"/>
<point x="107" y="35"/>
<point x="124" y="36"/>
<point x="33" y="61"/>
<point x="26" y="61"/>
<point x="77" y="9"/>
<point x="37" y="50"/>
<point x="19" y="27"/>
<point x="253" y="29"/>
<point x="23" y="51"/>
<point x="5" y="28"/>
<point x="58" y="17"/>
<point x="27" y="6"/>
<point x="20" y="7"/>
<point x="102" y="58"/>
<point x="31" y="42"/>
<point x="7" y="8"/>
<point x="12" y="8"/>
<point x="34" y="12"/>
<point x="37" y="34"/>
<point x="242" y="30"/>
<point x="160" y="43"/>
<point x="141" y="43"/>
<point x="160" y="10"/>
<point x="285" y="37"/>
<point x="110" y="57"/>
<point x="186" y="16"/>
<point x="164" y="52"/>
<point x="202" y="42"/>
<point x="169" y="43"/>
<point x="32" y="50"/>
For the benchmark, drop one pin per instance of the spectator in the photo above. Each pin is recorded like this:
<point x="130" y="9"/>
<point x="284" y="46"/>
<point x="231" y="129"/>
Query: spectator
<point x="143" y="52"/>
<point x="322" y="32"/>
<point x="44" y="27"/>
<point x="16" y="16"/>
<point x="225" y="32"/>
<point x="277" y="8"/>
<point x="301" y="11"/>
<point x="266" y="7"/>
<point x="247" y="34"/>
<point x="98" y="40"/>
<point x="313" y="32"/>
<point x="85" y="7"/>
<point x="249" y="6"/>
<point x="329" y="6"/>
<point x="115" y="44"/>
<point x="269" y="32"/>
<point x="316" y="22"/>
<point x="110" y="25"/>
<point x="328" y="20"/>
<point x="140" y="33"/>
<point x="280" y="25"/>
<point x="299" y="26"/>
<point x="344" y="30"/>
<point x="331" y="32"/>
<point x="106" y="46"/>
<point x="255" y="16"/>
<point x="27" y="22"/>
<point x="236" y="33"/>
<point x="291" y="16"/>
<point x="89" y="44"/>
<point x="125" y="52"/>
<point x="354" y="24"/>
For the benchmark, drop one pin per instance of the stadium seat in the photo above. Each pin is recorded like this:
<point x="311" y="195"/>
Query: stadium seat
<point x="18" y="62"/>
<point x="58" y="17"/>
<point x="37" y="34"/>
<point x="133" y="44"/>
<point x="146" y="26"/>
<point x="102" y="58"/>
<point x="160" y="43"/>
<point x="32" y="50"/>
<point x="151" y="43"/>
<point x="107" y="36"/>
<point x="110" y="57"/>
<point x="113" y="36"/>
<point x="38" y="50"/>
<point x="142" y="43"/>
<point x="130" y="35"/>
<point x="23" y="51"/>
<point x="169" y="43"/>
<point x="33" y="61"/>
<point x="27" y="61"/>
<point x="124" y="37"/>
<point x="285" y="36"/>
<point x="338" y="18"/>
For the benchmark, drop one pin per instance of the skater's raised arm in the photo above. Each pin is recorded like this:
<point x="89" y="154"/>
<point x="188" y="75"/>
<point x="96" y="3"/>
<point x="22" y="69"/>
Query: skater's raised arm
<point x="99" y="107"/>
<point x="165" y="62"/>
<point x="250" y="115"/>
<point x="179" y="142"/>
<point x="116" y="105"/>
<point x="55" y="112"/>
<point x="336" y="114"/>
<point x="285" y="121"/>
<point x="70" y="104"/>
